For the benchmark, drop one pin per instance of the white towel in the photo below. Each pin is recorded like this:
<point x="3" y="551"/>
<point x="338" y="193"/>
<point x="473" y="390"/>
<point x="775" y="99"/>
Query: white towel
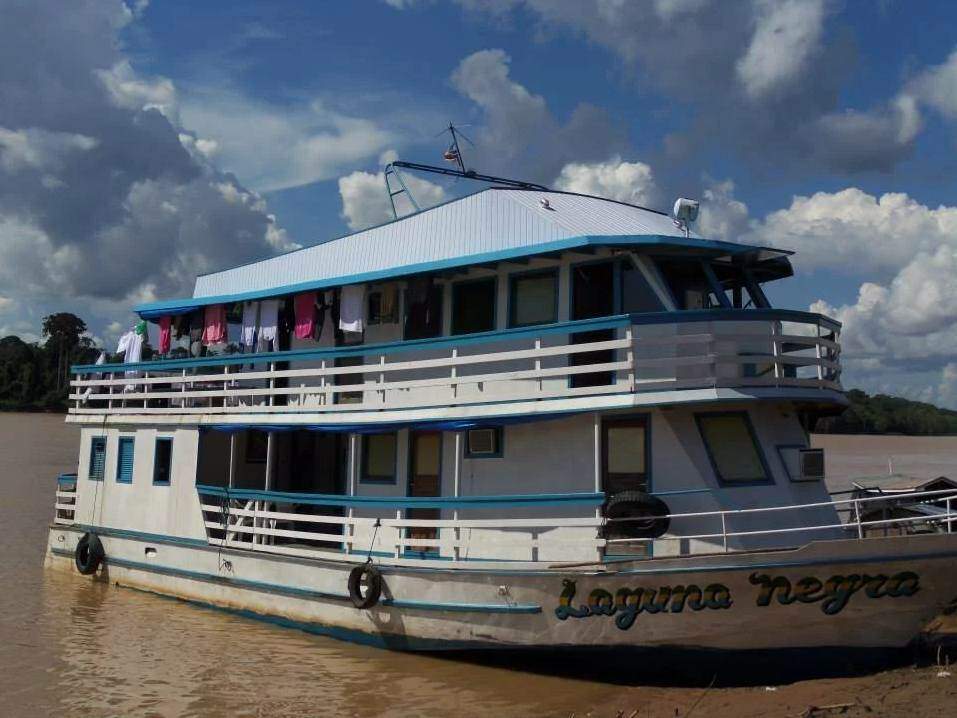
<point x="250" y="321"/>
<point x="352" y="308"/>
<point x="268" y="321"/>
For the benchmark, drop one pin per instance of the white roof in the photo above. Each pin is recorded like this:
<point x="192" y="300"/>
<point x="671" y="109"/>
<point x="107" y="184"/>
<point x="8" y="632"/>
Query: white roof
<point x="494" y="224"/>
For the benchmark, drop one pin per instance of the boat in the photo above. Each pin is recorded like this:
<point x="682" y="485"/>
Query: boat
<point x="521" y="419"/>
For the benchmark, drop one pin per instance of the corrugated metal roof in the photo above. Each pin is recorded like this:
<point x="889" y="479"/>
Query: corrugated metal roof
<point x="493" y="224"/>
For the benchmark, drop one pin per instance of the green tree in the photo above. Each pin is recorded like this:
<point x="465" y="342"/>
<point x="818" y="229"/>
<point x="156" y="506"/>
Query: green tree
<point x="64" y="335"/>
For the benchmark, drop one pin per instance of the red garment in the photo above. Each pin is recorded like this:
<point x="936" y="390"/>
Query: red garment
<point x="214" y="324"/>
<point x="165" y="338"/>
<point x="305" y="306"/>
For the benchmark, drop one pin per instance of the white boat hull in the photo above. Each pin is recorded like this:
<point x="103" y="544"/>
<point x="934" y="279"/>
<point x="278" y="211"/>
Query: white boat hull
<point x="872" y="593"/>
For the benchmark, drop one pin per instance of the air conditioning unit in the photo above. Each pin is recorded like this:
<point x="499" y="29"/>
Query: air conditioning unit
<point x="803" y="464"/>
<point x="481" y="442"/>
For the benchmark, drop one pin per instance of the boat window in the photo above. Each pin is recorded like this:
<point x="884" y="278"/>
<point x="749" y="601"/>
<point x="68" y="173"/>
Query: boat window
<point x="689" y="285"/>
<point x="163" y="461"/>
<point x="423" y="309"/>
<point x="625" y="455"/>
<point x="124" y="461"/>
<point x="97" y="458"/>
<point x="379" y="458"/>
<point x="533" y="298"/>
<point x="483" y="443"/>
<point x="473" y="306"/>
<point x="384" y="305"/>
<point x="732" y="447"/>
<point x="636" y="293"/>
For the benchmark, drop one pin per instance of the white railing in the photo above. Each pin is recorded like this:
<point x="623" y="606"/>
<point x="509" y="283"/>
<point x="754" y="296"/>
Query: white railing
<point x="65" y="505"/>
<point x="273" y="522"/>
<point x="631" y="354"/>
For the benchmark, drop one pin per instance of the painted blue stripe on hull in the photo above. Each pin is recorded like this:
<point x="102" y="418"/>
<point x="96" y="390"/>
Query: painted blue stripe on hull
<point x="310" y="594"/>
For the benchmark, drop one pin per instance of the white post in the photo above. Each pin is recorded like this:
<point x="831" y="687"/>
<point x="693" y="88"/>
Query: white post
<point x="233" y="451"/>
<point x="630" y="357"/>
<point x="272" y="382"/>
<point x="775" y="350"/>
<point x="538" y="363"/>
<point x="322" y="382"/>
<point x="455" y="373"/>
<point x="596" y="420"/>
<point x="457" y="491"/>
<point x="382" y="374"/>
<point x="724" y="532"/>
<point x="352" y="469"/>
<point x="949" y="521"/>
<point x="857" y="516"/>
<point x="820" y="355"/>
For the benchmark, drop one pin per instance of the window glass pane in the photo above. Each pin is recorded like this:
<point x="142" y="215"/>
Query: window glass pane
<point x="732" y="447"/>
<point x="97" y="458"/>
<point x="626" y="449"/>
<point x="124" y="461"/>
<point x="533" y="299"/>
<point x="473" y="306"/>
<point x="636" y="294"/>
<point x="162" y="462"/>
<point x="380" y="456"/>
<point x="482" y="442"/>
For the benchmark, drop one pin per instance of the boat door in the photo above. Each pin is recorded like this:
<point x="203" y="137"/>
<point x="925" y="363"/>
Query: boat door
<point x="625" y="455"/>
<point x="425" y="479"/>
<point x="593" y="295"/>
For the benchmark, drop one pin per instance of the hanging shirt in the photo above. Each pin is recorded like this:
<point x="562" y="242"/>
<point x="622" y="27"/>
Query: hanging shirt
<point x="214" y="324"/>
<point x="305" y="307"/>
<point x="250" y="320"/>
<point x="165" y="334"/>
<point x="352" y="308"/>
<point x="268" y="322"/>
<point x="131" y="347"/>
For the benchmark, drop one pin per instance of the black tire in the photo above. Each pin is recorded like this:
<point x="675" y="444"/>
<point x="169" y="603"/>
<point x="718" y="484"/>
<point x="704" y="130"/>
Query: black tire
<point x="649" y="516"/>
<point x="373" y="586"/>
<point x="89" y="554"/>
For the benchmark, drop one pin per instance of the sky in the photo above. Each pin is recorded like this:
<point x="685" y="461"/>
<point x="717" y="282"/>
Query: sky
<point x="142" y="142"/>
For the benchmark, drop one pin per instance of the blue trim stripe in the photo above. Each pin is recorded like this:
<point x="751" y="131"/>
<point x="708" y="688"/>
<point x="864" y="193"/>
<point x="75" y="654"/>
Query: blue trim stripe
<point x="621" y="320"/>
<point x="152" y="310"/>
<point x="66" y="479"/>
<point x="418" y="502"/>
<point x="310" y="594"/>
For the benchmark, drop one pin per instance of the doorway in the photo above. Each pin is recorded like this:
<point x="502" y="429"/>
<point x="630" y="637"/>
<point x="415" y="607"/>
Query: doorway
<point x="625" y="454"/>
<point x="425" y="479"/>
<point x="593" y="295"/>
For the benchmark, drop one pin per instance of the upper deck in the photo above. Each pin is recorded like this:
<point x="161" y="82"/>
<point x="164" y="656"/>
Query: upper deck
<point x="503" y="303"/>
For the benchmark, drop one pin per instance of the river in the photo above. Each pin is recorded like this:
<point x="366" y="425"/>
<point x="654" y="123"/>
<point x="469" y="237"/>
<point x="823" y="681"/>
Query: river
<point x="71" y="647"/>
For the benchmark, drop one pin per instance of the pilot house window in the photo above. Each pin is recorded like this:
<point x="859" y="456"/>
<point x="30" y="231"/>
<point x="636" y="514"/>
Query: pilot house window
<point x="473" y="306"/>
<point x="732" y="447"/>
<point x="533" y="298"/>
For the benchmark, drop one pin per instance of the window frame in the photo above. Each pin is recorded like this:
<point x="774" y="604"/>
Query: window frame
<point x="499" y="443"/>
<point x="768" y="479"/>
<point x="94" y="440"/>
<point x="453" y="303"/>
<point x="364" y="477"/>
<point x="169" y="476"/>
<point x="515" y="277"/>
<point x="131" y="440"/>
<point x="642" y="420"/>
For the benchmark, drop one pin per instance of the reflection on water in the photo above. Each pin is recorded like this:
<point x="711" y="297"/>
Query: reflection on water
<point x="69" y="646"/>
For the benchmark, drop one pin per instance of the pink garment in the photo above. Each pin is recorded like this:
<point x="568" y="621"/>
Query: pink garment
<point x="305" y="306"/>
<point x="165" y="338"/>
<point x="214" y="324"/>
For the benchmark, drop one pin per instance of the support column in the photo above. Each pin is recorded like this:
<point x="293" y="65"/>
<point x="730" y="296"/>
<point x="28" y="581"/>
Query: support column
<point x="233" y="459"/>
<point x="457" y="491"/>
<point x="596" y="423"/>
<point x="351" y="470"/>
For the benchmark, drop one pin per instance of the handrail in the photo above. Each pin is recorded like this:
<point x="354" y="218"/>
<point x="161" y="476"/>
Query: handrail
<point x="418" y="502"/>
<point x="580" y="325"/>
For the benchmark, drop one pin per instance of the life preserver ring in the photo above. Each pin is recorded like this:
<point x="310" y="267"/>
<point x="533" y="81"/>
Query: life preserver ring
<point x="89" y="554"/>
<point x="647" y="515"/>
<point x="373" y="588"/>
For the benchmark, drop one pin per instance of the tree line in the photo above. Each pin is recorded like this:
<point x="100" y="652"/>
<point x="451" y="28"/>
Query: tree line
<point x="35" y="376"/>
<point x="882" y="414"/>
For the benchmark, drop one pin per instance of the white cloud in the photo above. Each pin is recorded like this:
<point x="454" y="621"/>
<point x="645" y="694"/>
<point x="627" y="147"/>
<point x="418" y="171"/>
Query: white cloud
<point x="277" y="147"/>
<point x="6" y="303"/>
<point x="853" y="231"/>
<point x="130" y="90"/>
<point x="721" y="215"/>
<point x="631" y="182"/>
<point x="365" y="202"/>
<point x="786" y="33"/>
<point x="36" y="148"/>
<point x="937" y="86"/>
<point x="520" y="135"/>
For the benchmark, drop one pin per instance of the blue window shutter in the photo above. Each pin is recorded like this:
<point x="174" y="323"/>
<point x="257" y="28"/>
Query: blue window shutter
<point x="124" y="461"/>
<point x="97" y="458"/>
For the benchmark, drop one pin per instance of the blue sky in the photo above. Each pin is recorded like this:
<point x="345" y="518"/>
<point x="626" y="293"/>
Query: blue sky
<point x="143" y="142"/>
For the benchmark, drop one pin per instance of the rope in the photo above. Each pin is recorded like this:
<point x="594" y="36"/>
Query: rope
<point x="378" y="523"/>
